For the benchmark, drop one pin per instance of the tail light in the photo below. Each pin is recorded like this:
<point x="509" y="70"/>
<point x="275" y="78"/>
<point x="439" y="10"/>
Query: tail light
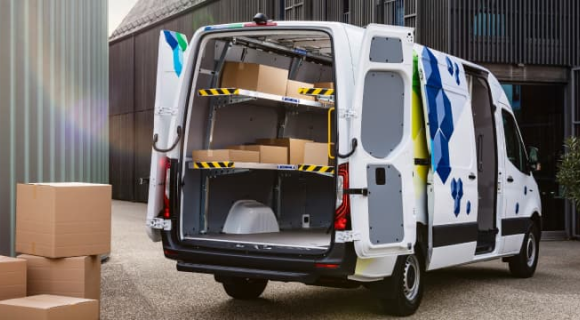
<point x="166" y="212"/>
<point x="342" y="213"/>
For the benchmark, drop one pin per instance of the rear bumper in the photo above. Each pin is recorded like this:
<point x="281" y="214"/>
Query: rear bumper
<point x="336" y="264"/>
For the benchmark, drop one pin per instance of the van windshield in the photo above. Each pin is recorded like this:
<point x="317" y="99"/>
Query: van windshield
<point x="258" y="142"/>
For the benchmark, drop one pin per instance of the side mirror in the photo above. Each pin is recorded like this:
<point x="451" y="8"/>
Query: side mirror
<point x="533" y="159"/>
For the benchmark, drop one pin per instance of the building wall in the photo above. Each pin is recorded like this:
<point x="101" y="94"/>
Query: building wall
<point x="53" y="97"/>
<point x="513" y="31"/>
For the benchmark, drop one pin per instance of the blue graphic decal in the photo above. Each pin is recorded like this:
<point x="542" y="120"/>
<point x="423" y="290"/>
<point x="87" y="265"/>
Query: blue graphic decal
<point x="449" y="65"/>
<point x="457" y="194"/>
<point x="172" y="41"/>
<point x="517" y="208"/>
<point x="440" y="115"/>
<point x="453" y="188"/>
<point x="525" y="190"/>
<point x="468" y="209"/>
<point x="457" y="74"/>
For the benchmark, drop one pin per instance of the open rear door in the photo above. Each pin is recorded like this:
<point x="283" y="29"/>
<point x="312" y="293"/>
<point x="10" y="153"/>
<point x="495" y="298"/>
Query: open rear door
<point x="172" y="46"/>
<point x="453" y="197"/>
<point x="381" y="169"/>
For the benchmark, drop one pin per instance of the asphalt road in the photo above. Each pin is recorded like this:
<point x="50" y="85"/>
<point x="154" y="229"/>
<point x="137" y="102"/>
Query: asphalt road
<point x="139" y="283"/>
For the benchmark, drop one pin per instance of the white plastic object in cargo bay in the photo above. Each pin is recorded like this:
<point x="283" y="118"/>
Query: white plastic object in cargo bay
<point x="250" y="216"/>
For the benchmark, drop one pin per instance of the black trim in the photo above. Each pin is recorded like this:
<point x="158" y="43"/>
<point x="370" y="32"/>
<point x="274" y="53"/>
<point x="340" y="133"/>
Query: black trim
<point x="457" y="233"/>
<point x="224" y="271"/>
<point x="363" y="192"/>
<point x="422" y="162"/>
<point x="515" y="226"/>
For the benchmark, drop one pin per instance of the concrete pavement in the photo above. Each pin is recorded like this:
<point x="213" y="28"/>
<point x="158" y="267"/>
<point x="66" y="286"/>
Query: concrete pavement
<point x="139" y="283"/>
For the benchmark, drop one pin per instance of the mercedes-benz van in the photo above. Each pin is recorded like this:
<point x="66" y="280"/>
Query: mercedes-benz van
<point x="334" y="155"/>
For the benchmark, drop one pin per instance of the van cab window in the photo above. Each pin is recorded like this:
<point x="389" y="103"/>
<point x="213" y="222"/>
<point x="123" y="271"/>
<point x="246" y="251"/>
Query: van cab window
<point x="513" y="143"/>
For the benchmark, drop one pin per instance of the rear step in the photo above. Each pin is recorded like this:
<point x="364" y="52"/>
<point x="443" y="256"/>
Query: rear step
<point x="246" y="272"/>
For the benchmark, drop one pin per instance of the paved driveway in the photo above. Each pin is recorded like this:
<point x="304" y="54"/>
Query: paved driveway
<point x="139" y="283"/>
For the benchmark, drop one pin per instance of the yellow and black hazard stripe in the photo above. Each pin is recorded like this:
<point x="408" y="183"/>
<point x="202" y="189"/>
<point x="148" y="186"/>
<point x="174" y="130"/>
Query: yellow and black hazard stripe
<point x="213" y="165"/>
<point x="315" y="168"/>
<point x="316" y="91"/>
<point x="218" y="92"/>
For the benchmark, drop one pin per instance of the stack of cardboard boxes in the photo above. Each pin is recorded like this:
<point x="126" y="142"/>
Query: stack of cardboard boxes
<point x="266" y="79"/>
<point x="277" y="151"/>
<point x="61" y="229"/>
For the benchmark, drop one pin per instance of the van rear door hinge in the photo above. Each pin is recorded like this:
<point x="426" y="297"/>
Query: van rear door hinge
<point x="346" y="236"/>
<point x="347" y="114"/>
<point x="159" y="224"/>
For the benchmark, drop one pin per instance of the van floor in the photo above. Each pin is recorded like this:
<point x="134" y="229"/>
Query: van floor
<point x="308" y="238"/>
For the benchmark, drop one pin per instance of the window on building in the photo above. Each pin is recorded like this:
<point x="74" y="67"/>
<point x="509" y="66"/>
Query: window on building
<point x="489" y="20"/>
<point x="397" y="12"/>
<point x="346" y="11"/>
<point x="294" y="9"/>
<point x="394" y="12"/>
<point x="513" y="143"/>
<point x="514" y="95"/>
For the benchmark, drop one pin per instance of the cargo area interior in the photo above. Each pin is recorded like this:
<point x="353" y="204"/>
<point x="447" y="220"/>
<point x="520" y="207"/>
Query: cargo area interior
<point x="258" y="160"/>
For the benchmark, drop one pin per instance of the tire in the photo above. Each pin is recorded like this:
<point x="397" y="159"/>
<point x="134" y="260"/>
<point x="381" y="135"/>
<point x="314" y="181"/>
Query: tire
<point x="405" y="286"/>
<point x="244" y="288"/>
<point x="524" y="264"/>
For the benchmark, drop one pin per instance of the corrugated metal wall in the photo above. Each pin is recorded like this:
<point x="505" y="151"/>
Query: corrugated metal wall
<point x="543" y="32"/>
<point x="53" y="97"/>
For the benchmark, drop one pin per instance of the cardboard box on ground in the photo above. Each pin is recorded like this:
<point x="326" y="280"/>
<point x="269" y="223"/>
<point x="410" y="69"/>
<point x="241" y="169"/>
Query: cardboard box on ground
<point x="12" y="278"/>
<point x="254" y="77"/>
<point x="78" y="277"/>
<point x="59" y="220"/>
<point x="49" y="307"/>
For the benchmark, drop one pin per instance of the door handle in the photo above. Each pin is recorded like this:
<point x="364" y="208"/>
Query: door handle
<point x="510" y="179"/>
<point x="471" y="176"/>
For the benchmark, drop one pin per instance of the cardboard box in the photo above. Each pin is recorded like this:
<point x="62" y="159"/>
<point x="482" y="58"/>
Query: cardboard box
<point x="295" y="147"/>
<point x="268" y="154"/>
<point x="47" y="307"/>
<point x="58" y="220"/>
<point x="316" y="153"/>
<point x="12" y="278"/>
<point x="78" y="277"/>
<point x="292" y="89"/>
<point x="226" y="155"/>
<point x="327" y="85"/>
<point x="255" y="77"/>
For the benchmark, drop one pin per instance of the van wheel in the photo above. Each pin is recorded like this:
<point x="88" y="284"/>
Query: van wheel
<point x="405" y="286"/>
<point x="524" y="264"/>
<point x="244" y="288"/>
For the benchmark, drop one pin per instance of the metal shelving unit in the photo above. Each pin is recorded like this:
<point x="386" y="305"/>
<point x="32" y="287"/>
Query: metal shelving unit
<point x="229" y="167"/>
<point x="235" y="95"/>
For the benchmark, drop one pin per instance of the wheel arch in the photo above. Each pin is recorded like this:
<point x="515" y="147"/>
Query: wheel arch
<point x="537" y="219"/>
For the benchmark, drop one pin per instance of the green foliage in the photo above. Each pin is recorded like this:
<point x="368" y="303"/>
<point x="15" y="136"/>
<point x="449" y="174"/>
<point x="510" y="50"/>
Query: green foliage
<point x="569" y="170"/>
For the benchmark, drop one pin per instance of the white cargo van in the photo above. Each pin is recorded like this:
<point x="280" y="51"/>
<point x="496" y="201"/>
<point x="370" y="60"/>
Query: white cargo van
<point x="334" y="155"/>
